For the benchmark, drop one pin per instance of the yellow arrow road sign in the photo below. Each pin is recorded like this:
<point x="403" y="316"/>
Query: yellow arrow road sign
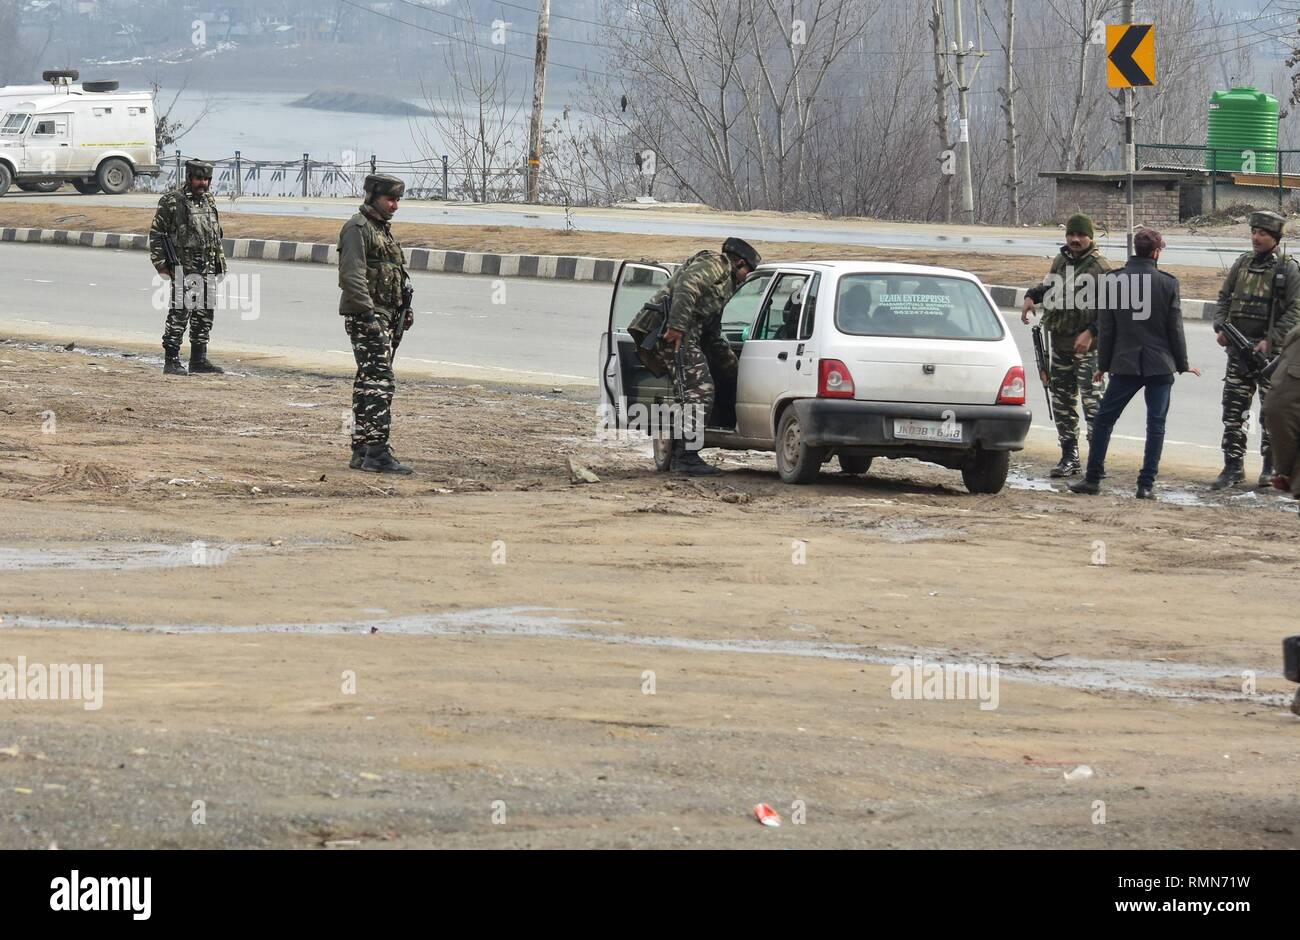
<point x="1130" y="55"/>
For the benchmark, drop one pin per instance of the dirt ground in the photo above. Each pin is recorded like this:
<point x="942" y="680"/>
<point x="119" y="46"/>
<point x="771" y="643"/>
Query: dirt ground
<point x="486" y="654"/>
<point x="1197" y="283"/>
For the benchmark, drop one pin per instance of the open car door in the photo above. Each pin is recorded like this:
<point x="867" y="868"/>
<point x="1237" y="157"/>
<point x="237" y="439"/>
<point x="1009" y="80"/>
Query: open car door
<point x="623" y="380"/>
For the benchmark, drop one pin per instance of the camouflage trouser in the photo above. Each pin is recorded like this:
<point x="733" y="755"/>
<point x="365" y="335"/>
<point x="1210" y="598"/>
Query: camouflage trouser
<point x="1070" y="379"/>
<point x="1282" y="421"/>
<point x="185" y="311"/>
<point x="1238" y="390"/>
<point x="697" y="387"/>
<point x="372" y="389"/>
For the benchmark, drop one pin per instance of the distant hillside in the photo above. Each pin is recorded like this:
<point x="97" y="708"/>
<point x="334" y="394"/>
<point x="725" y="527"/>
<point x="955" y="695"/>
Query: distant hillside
<point x="360" y="102"/>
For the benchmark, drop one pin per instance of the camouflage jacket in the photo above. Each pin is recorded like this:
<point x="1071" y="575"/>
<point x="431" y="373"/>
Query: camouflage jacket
<point x="1078" y="314"/>
<point x="700" y="289"/>
<point x="195" y="228"/>
<point x="372" y="268"/>
<point x="1246" y="297"/>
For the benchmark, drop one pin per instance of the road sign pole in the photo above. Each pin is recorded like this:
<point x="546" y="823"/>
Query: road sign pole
<point x="1130" y="152"/>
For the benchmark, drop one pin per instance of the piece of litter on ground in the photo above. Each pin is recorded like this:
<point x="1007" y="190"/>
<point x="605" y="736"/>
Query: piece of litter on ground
<point x="181" y="482"/>
<point x="256" y="489"/>
<point x="366" y="775"/>
<point x="767" y="816"/>
<point x="11" y="751"/>
<point x="335" y="843"/>
<point x="580" y="474"/>
<point x="23" y="790"/>
<point x="1082" y="772"/>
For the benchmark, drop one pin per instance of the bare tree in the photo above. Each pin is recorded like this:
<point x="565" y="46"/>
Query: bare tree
<point x="942" y="81"/>
<point x="1008" y="91"/>
<point x="166" y="130"/>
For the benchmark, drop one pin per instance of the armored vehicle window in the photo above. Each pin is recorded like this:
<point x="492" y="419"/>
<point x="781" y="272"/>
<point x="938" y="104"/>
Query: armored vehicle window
<point x="14" y="125"/>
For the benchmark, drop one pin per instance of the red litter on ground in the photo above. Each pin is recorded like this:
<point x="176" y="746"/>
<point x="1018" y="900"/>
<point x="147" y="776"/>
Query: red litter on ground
<point x="767" y="816"/>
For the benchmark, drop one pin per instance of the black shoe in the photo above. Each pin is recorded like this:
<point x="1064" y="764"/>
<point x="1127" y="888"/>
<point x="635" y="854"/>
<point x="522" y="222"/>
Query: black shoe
<point x="1266" y="475"/>
<point x="1069" y="465"/>
<point x="1084" y="487"/>
<point x="172" y="364"/>
<point x="1144" y="492"/>
<point x="689" y="462"/>
<point x="379" y="459"/>
<point x="358" y="456"/>
<point x="1233" y="472"/>
<point x="199" y="361"/>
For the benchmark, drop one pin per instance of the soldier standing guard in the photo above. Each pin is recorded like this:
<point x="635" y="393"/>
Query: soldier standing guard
<point x="1068" y="296"/>
<point x="376" y="311"/>
<point x="1261" y="297"/>
<point x="187" y="218"/>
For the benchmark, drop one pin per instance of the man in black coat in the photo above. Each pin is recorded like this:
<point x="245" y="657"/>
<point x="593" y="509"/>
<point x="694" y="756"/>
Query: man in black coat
<point x="1141" y="345"/>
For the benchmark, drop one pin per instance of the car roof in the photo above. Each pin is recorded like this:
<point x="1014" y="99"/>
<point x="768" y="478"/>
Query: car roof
<point x="46" y="103"/>
<point x="841" y="267"/>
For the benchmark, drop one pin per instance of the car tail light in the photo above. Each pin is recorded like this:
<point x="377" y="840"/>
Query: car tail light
<point x="1013" y="387"/>
<point x="834" y="380"/>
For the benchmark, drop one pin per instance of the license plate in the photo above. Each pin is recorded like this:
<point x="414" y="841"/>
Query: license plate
<point x="914" y="429"/>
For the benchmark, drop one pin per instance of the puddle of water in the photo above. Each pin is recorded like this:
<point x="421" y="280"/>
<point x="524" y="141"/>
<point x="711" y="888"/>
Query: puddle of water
<point x="1140" y="677"/>
<point x="1020" y="481"/>
<point x="122" y="557"/>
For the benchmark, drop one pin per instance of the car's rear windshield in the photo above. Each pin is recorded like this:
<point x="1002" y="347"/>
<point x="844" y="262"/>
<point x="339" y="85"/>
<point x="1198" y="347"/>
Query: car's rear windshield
<point x="923" y="306"/>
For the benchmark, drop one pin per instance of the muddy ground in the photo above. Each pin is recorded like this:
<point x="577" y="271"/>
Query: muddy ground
<point x="463" y="658"/>
<point x="1025" y="270"/>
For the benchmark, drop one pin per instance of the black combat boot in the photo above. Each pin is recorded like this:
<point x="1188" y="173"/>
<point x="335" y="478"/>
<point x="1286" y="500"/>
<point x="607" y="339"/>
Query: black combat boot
<point x="1069" y="465"/>
<point x="688" y="461"/>
<point x="199" y="360"/>
<point x="1233" y="472"/>
<point x="379" y="459"/>
<point x="172" y="364"/>
<point x="358" y="456"/>
<point x="1084" y="487"/>
<point x="1266" y="475"/>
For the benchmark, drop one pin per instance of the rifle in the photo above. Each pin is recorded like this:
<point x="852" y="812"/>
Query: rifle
<point x="399" y="328"/>
<point x="1040" y="360"/>
<point x="174" y="262"/>
<point x="1258" y="366"/>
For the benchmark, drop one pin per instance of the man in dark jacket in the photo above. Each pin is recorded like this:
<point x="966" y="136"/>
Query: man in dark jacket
<point x="1141" y="345"/>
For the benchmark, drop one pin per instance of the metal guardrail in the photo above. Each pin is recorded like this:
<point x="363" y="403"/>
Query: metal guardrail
<point x="1280" y="167"/>
<point x="237" y="176"/>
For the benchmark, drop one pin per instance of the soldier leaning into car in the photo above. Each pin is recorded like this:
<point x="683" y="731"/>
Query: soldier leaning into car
<point x="1246" y="300"/>
<point x="1071" y="323"/>
<point x="372" y="276"/>
<point x="700" y="288"/>
<point x="189" y="215"/>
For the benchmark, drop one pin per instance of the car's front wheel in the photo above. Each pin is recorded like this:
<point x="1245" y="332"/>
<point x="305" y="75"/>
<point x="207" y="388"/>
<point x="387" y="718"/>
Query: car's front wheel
<point x="987" y="471"/>
<point x="795" y="460"/>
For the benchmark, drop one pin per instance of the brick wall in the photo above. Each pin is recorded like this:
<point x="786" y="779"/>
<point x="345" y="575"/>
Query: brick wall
<point x="1105" y="202"/>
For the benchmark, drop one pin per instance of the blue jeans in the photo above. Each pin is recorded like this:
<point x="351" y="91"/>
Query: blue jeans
<point x="1119" y="393"/>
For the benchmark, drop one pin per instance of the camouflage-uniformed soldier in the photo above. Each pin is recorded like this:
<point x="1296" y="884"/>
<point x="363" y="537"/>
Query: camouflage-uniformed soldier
<point x="375" y="311"/>
<point x="1282" y="417"/>
<point x="699" y="289"/>
<point x="1265" y="312"/>
<point x="1070" y="319"/>
<point x="189" y="215"/>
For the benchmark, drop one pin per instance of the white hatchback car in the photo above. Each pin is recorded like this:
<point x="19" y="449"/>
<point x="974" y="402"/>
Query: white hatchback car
<point x="845" y="359"/>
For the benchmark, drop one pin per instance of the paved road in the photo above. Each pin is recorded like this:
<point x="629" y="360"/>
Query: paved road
<point x="1197" y="251"/>
<point x="543" y="332"/>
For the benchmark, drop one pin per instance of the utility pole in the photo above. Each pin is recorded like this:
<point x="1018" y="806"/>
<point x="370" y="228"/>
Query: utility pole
<point x="961" y="50"/>
<point x="941" y="72"/>
<point x="539" y="95"/>
<point x="1130" y="151"/>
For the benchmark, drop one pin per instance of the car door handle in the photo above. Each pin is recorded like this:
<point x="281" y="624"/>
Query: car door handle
<point x="783" y="356"/>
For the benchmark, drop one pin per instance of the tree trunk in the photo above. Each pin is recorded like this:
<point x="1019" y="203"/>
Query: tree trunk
<point x="1009" y="106"/>
<point x="941" y="107"/>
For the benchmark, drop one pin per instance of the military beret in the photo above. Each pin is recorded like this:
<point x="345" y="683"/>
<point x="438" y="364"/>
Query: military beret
<point x="198" y="168"/>
<point x="739" y="248"/>
<point x="381" y="184"/>
<point x="1270" y="222"/>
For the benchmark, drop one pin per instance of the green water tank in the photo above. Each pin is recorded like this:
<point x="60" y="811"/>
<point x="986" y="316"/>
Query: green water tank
<point x="1243" y="119"/>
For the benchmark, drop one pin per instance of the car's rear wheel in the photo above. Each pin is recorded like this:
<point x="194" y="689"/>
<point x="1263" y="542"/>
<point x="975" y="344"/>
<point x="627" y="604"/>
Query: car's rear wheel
<point x="663" y="448"/>
<point x="115" y="176"/>
<point x="795" y="460"/>
<point x="987" y="471"/>
<point x="854" y="464"/>
<point x="85" y="187"/>
<point x="48" y="186"/>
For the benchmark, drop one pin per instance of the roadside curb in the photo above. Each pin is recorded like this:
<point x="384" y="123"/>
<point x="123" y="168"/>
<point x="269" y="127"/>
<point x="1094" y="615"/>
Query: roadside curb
<point x="438" y="261"/>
